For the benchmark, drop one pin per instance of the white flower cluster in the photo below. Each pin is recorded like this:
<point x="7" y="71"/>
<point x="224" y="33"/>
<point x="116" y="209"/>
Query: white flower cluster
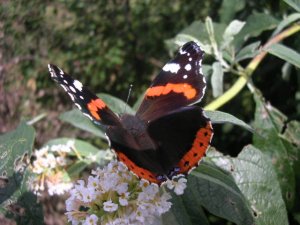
<point x="48" y="168"/>
<point x="114" y="196"/>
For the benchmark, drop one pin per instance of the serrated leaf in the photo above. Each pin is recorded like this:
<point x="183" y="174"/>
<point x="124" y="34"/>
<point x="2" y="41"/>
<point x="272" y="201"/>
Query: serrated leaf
<point x="285" y="53"/>
<point x="218" y="117"/>
<point x="254" y="175"/>
<point x="255" y="25"/>
<point x="217" y="192"/>
<point x="229" y="8"/>
<point x="268" y="124"/>
<point x="248" y="51"/>
<point x="77" y="119"/>
<point x="15" y="150"/>
<point x="15" y="147"/>
<point x="217" y="79"/>
<point x="294" y="4"/>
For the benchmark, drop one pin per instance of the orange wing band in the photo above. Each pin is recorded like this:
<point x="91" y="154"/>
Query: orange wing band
<point x="94" y="106"/>
<point x="201" y="143"/>
<point x="186" y="89"/>
<point x="138" y="171"/>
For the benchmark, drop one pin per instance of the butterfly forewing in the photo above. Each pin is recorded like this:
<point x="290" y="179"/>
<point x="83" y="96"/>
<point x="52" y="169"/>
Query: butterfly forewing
<point x="90" y="105"/>
<point x="180" y="83"/>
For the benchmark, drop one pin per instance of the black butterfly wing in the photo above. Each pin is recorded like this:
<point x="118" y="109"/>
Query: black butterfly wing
<point x="180" y="83"/>
<point x="182" y="136"/>
<point x="89" y="104"/>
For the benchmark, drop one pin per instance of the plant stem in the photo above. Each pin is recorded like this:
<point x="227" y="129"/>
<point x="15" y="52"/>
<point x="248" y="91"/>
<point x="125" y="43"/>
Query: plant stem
<point x="242" y="81"/>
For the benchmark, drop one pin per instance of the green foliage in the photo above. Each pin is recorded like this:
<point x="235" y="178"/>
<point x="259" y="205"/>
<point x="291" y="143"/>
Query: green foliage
<point x="16" y="200"/>
<point x="111" y="44"/>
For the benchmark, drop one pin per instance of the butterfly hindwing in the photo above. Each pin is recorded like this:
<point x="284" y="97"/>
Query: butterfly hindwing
<point x="183" y="137"/>
<point x="90" y="105"/>
<point x="180" y="83"/>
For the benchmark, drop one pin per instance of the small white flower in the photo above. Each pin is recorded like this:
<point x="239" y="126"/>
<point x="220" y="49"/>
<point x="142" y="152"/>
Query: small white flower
<point x="178" y="186"/>
<point x="91" y="220"/>
<point x="88" y="195"/>
<point x="121" y="188"/>
<point x="123" y="199"/>
<point x="109" y="206"/>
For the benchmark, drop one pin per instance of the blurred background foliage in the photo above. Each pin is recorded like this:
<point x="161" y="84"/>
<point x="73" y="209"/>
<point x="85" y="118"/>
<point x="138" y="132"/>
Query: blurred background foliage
<point x="109" y="45"/>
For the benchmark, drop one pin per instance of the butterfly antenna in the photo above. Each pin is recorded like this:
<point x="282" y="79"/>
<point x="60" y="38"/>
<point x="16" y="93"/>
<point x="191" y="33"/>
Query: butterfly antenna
<point x="128" y="96"/>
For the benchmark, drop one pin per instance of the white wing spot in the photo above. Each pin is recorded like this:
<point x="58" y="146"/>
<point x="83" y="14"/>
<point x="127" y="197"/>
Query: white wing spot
<point x="81" y="97"/>
<point x="60" y="71"/>
<point x="182" y="52"/>
<point x="188" y="54"/>
<point x="63" y="86"/>
<point x="172" y="67"/>
<point x="91" y="118"/>
<point x="77" y="85"/>
<point x="66" y="82"/>
<point x="190" y="59"/>
<point x="71" y="96"/>
<point x="78" y="106"/>
<point x="188" y="67"/>
<point x="72" y="89"/>
<point x="185" y="76"/>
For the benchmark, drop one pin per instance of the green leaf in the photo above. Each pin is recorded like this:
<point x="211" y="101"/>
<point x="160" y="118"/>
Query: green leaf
<point x="255" y="25"/>
<point x="268" y="124"/>
<point x="294" y="4"/>
<point x="229" y="8"/>
<point x="253" y="173"/>
<point x="292" y="133"/>
<point x="218" y="117"/>
<point x="15" y="150"/>
<point x="249" y="51"/>
<point x="217" y="192"/>
<point x="207" y="70"/>
<point x="217" y="79"/>
<point x="231" y="30"/>
<point x="197" y="32"/>
<point x="285" y="22"/>
<point x="84" y="148"/>
<point x="285" y="53"/>
<point x="89" y="154"/>
<point x="77" y="119"/>
<point x="185" y="210"/>
<point x="117" y="105"/>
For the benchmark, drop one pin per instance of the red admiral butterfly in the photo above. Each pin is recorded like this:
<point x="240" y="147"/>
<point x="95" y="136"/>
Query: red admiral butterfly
<point x="167" y="136"/>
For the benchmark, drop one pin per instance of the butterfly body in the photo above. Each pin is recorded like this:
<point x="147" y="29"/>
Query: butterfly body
<point x="168" y="135"/>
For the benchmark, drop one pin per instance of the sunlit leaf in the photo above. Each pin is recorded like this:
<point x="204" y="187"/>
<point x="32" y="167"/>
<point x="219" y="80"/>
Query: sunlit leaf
<point x="16" y="201"/>
<point x="254" y="175"/>
<point x="218" y="117"/>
